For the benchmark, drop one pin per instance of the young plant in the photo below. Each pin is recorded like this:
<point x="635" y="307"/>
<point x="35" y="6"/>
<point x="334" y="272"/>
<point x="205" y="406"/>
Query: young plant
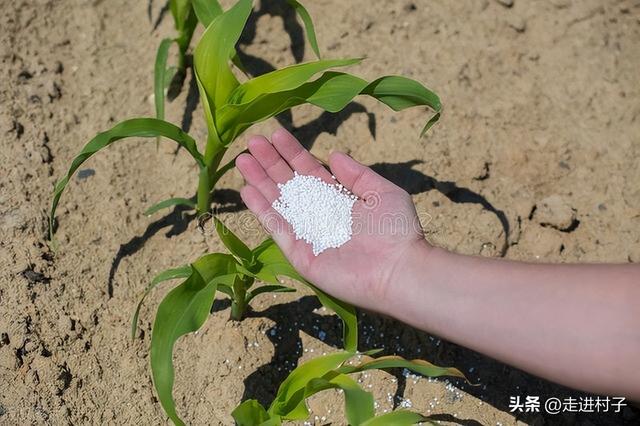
<point x="332" y="372"/>
<point x="231" y="107"/>
<point x="186" y="16"/>
<point x="185" y="22"/>
<point x="188" y="305"/>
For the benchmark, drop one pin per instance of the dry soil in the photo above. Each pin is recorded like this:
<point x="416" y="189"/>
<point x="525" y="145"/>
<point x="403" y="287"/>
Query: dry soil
<point x="537" y="157"/>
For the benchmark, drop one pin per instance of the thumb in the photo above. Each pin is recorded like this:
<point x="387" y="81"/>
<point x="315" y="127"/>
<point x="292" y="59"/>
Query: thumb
<point x="354" y="176"/>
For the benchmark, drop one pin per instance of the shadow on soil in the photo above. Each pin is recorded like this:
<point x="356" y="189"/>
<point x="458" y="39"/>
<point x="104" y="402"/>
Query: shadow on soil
<point x="193" y="99"/>
<point x="415" y="182"/>
<point x="177" y="221"/>
<point x="493" y="381"/>
<point x="226" y="200"/>
<point x="161" y="14"/>
<point x="289" y="20"/>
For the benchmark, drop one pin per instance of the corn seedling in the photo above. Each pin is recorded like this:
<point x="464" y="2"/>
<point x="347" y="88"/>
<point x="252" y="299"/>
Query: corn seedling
<point x="187" y="306"/>
<point x="186" y="16"/>
<point x="332" y="372"/>
<point x="231" y="107"/>
<point x="185" y="22"/>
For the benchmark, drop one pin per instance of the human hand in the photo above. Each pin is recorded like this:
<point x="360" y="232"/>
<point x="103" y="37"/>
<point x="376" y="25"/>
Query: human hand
<point x="385" y="224"/>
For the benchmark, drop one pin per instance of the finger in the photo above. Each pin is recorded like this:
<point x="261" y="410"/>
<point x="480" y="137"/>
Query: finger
<point x="270" y="219"/>
<point x="356" y="177"/>
<point x="297" y="156"/>
<point x="270" y="160"/>
<point x="255" y="175"/>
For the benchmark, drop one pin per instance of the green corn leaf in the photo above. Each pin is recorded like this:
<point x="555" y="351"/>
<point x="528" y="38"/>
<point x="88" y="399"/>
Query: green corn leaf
<point x="223" y="288"/>
<point x="433" y="120"/>
<point x="214" y="49"/>
<point x="273" y="421"/>
<point x="370" y="352"/>
<point x="183" y="311"/>
<point x="137" y="127"/>
<point x="261" y="248"/>
<point x="308" y="25"/>
<point x="335" y="91"/>
<point x="397" y="418"/>
<point x="298" y="379"/>
<point x="207" y="107"/>
<point x="326" y="372"/>
<point x="250" y="413"/>
<point x="258" y="268"/>
<point x="232" y="242"/>
<point x="273" y="288"/>
<point x="347" y="314"/>
<point x="266" y="251"/>
<point x="272" y="260"/>
<point x="160" y="77"/>
<point x="417" y="366"/>
<point x="358" y="402"/>
<point x="400" y="92"/>
<point x="273" y="263"/>
<point x="169" y="274"/>
<point x="284" y="79"/>
<point x="332" y="92"/>
<point x="206" y="10"/>
<point x="185" y="33"/>
<point x="185" y="23"/>
<point x="222" y="170"/>
<point x="180" y="11"/>
<point x="189" y="202"/>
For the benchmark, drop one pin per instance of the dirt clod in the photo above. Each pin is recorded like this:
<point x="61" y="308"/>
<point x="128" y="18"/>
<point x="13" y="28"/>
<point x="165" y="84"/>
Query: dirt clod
<point x="555" y="212"/>
<point x="518" y="23"/>
<point x="18" y="128"/>
<point x="505" y="3"/>
<point x="34" y="277"/>
<point x="410" y="7"/>
<point x="64" y="378"/>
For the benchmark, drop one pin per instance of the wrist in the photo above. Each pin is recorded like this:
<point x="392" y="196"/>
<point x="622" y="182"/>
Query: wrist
<point x="407" y="286"/>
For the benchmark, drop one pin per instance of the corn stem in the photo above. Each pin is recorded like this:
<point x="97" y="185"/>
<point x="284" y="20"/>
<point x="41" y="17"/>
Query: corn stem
<point x="212" y="157"/>
<point x="204" y="192"/>
<point x="239" y="302"/>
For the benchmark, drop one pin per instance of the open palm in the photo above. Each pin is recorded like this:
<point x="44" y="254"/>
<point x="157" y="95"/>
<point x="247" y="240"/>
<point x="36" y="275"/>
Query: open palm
<point x="385" y="224"/>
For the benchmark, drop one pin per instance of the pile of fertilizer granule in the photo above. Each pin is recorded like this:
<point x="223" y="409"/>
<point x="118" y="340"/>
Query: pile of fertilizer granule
<point x="319" y="212"/>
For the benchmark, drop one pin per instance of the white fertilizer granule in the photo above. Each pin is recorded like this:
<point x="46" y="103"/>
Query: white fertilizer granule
<point x="319" y="212"/>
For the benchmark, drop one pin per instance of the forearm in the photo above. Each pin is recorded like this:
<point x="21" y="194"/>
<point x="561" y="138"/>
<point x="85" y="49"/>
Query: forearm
<point x="578" y="325"/>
